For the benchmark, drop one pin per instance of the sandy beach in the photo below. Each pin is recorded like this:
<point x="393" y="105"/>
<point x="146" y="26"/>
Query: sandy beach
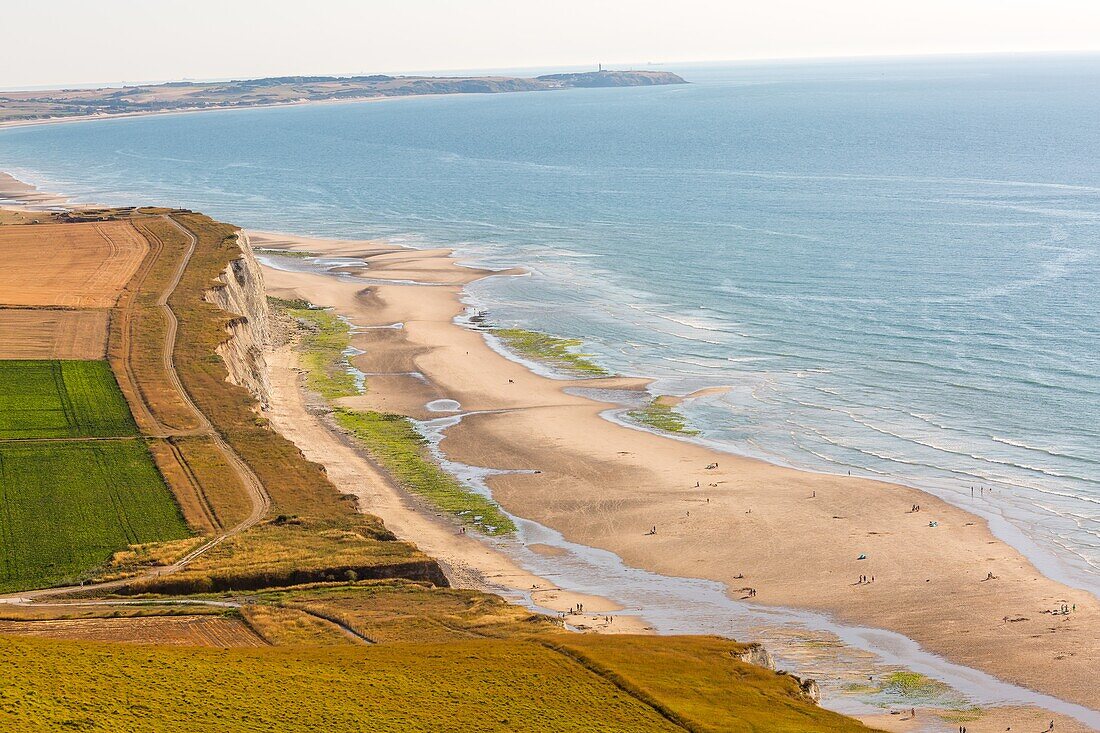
<point x="24" y="195"/>
<point x="467" y="561"/>
<point x="936" y="575"/>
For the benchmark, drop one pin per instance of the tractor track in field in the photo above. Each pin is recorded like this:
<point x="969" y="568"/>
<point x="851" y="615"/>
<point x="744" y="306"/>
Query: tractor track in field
<point x="261" y="501"/>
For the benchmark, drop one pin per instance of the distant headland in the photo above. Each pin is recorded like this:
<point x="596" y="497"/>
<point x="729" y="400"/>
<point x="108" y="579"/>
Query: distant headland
<point x="47" y="105"/>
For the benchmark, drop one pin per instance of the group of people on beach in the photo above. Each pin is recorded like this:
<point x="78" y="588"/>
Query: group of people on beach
<point x="1050" y="729"/>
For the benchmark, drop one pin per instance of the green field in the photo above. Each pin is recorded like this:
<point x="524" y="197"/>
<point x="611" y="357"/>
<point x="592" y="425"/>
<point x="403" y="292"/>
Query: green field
<point x="66" y="506"/>
<point x="61" y="399"/>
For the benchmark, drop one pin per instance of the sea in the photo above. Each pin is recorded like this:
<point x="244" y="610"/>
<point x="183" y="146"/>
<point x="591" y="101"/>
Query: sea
<point x="892" y="264"/>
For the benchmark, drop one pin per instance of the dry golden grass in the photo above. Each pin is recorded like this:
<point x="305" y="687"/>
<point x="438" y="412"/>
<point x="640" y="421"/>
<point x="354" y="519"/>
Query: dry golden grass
<point x="281" y="553"/>
<point x="185" y="487"/>
<point x="220" y="485"/>
<point x="192" y="630"/>
<point x="289" y="626"/>
<point x="209" y="492"/>
<point x="472" y="684"/>
<point x="136" y="559"/>
<point x="72" y="265"/>
<point x="392" y="611"/>
<point x="725" y="693"/>
<point x="43" y="333"/>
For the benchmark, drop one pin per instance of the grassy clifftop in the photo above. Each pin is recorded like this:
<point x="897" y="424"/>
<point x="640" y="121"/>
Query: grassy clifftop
<point x="587" y="684"/>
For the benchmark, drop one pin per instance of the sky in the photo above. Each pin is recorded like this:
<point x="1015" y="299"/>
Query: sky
<point x="110" y="41"/>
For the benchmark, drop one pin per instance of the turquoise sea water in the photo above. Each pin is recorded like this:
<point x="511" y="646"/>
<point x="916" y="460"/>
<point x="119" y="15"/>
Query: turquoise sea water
<point x="895" y="265"/>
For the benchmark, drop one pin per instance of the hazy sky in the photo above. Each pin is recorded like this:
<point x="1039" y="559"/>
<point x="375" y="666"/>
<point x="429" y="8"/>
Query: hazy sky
<point x="80" y="41"/>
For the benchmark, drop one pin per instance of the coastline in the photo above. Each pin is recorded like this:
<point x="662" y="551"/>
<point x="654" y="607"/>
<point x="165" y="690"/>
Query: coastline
<point x="759" y="502"/>
<point x="7" y="124"/>
<point x="435" y="332"/>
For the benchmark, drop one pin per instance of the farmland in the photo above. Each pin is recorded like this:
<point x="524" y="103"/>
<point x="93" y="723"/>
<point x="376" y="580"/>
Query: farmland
<point x="205" y="630"/>
<point x="87" y="266"/>
<point x="49" y="333"/>
<point x="67" y="506"/>
<point x="61" y="399"/>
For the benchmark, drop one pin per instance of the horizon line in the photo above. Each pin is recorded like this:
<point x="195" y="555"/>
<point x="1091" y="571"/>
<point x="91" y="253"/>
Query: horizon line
<point x="613" y="66"/>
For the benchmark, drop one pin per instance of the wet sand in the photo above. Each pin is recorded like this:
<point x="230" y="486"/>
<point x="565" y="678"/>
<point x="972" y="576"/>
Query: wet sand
<point x="795" y="536"/>
<point x="17" y="194"/>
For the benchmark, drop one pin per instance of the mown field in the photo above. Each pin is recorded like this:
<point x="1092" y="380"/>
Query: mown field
<point x="198" y="630"/>
<point x="589" y="684"/>
<point x="65" y="507"/>
<point x="78" y="265"/>
<point x="61" y="399"/>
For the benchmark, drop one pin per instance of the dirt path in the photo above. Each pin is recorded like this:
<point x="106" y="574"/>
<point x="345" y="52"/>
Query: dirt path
<point x="261" y="501"/>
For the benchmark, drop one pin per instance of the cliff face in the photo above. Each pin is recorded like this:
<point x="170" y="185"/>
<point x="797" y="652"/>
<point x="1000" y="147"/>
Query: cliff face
<point x="241" y="292"/>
